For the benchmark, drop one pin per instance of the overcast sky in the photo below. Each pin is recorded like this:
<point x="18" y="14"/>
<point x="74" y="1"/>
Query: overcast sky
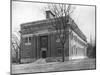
<point x="23" y="12"/>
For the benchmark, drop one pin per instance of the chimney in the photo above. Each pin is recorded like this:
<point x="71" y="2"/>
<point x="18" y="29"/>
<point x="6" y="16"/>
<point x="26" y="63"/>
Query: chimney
<point x="49" y="14"/>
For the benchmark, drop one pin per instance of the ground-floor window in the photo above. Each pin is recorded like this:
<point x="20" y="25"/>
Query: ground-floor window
<point x="59" y="51"/>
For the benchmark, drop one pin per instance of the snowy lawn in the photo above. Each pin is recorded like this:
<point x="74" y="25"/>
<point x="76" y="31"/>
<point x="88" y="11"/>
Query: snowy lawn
<point x="42" y="66"/>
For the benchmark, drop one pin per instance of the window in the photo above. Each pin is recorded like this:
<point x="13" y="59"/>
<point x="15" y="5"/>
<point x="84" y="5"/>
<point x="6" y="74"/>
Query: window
<point x="71" y="35"/>
<point x="59" y="51"/>
<point x="44" y="41"/>
<point x="67" y="20"/>
<point x="72" y="50"/>
<point x="76" y="50"/>
<point x="28" y="40"/>
<point x="75" y="38"/>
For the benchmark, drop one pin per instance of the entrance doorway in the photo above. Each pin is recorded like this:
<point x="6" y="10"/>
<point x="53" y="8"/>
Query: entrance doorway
<point x="43" y="54"/>
<point x="43" y="46"/>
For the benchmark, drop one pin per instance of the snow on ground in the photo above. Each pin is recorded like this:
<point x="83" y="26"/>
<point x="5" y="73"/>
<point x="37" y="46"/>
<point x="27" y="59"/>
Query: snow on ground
<point x="41" y="66"/>
<point x="77" y="57"/>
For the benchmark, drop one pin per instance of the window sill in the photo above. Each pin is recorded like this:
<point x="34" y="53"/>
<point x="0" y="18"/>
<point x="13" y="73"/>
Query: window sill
<point x="27" y="43"/>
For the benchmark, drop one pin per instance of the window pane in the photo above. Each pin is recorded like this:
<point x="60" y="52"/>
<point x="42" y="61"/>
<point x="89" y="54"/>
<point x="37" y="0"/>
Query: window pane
<point x="30" y="39"/>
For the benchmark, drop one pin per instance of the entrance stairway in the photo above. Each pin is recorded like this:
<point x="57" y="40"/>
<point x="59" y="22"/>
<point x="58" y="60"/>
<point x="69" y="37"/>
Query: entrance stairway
<point x="40" y="61"/>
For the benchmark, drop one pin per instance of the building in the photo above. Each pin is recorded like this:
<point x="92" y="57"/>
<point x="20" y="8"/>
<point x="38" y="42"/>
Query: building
<point x="39" y="40"/>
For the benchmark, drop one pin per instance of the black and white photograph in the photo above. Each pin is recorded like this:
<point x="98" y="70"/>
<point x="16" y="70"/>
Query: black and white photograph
<point x="52" y="37"/>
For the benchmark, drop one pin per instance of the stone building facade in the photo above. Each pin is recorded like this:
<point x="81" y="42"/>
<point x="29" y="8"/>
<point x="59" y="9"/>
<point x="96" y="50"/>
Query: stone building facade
<point x="40" y="40"/>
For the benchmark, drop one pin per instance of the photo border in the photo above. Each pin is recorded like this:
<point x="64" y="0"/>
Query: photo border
<point x="51" y="3"/>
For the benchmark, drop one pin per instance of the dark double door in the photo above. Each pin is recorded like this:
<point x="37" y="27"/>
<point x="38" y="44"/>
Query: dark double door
<point x="43" y="46"/>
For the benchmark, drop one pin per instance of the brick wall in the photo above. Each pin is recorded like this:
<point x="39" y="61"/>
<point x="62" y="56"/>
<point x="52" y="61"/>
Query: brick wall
<point x="28" y="51"/>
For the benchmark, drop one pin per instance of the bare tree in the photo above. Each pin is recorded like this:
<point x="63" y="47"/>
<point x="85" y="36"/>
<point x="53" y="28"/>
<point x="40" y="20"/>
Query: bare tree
<point x="15" y="47"/>
<point x="62" y="14"/>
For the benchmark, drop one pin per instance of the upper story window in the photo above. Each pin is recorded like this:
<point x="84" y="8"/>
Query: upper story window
<point x="71" y="35"/>
<point x="76" y="38"/>
<point x="28" y="40"/>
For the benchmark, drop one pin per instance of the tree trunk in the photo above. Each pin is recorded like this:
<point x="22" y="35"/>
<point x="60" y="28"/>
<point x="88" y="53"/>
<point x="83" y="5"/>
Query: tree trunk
<point x="19" y="58"/>
<point x="63" y="59"/>
<point x="16" y="57"/>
